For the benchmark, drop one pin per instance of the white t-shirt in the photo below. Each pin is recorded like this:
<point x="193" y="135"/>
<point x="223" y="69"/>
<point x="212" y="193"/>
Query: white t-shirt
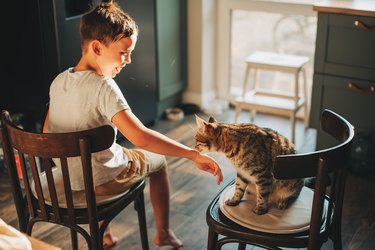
<point x="83" y="100"/>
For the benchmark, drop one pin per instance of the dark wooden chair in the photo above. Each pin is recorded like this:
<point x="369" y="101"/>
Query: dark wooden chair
<point x="326" y="202"/>
<point x="51" y="198"/>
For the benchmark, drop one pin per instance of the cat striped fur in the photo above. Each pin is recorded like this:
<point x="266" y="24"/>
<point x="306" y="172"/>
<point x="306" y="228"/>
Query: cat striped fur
<point x="252" y="151"/>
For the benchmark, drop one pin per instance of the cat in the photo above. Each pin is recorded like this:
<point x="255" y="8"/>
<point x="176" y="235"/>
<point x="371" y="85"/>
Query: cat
<point x="252" y="151"/>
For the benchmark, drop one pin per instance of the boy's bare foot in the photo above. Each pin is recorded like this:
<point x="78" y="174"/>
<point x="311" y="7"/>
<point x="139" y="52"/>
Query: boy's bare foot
<point x="109" y="240"/>
<point x="168" y="238"/>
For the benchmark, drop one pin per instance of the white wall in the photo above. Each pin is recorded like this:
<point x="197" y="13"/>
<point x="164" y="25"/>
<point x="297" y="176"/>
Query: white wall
<point x="201" y="88"/>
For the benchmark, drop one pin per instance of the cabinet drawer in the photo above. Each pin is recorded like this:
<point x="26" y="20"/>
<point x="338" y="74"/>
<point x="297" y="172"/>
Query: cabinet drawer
<point x="344" y="48"/>
<point x="356" y="105"/>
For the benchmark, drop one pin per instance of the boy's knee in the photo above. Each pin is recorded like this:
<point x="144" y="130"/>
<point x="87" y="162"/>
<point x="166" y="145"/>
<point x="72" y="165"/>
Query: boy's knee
<point x="163" y="162"/>
<point x="156" y="162"/>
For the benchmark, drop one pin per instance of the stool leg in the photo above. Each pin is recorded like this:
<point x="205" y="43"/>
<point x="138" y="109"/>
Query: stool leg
<point x="253" y="113"/>
<point x="237" y="112"/>
<point x="293" y="125"/>
<point x="255" y="79"/>
<point x="244" y="86"/>
<point x="296" y="86"/>
<point x="296" y="99"/>
<point x="305" y="94"/>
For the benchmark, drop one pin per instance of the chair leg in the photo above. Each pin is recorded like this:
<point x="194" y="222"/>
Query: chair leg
<point x="23" y="222"/>
<point x="241" y="246"/>
<point x="139" y="205"/>
<point x="336" y="236"/>
<point x="212" y="239"/>
<point x="73" y="235"/>
<point x="29" y="227"/>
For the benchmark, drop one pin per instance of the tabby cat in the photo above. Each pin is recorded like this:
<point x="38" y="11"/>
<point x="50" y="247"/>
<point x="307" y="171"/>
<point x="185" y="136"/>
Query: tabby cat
<point x="252" y="151"/>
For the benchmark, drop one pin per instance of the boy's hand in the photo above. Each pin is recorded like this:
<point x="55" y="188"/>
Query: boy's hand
<point x="208" y="164"/>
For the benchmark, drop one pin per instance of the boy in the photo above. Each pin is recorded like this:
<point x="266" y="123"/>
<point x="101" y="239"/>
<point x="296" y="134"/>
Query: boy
<point x="86" y="96"/>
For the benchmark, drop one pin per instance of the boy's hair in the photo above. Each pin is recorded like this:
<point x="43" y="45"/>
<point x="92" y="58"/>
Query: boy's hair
<point x="105" y="23"/>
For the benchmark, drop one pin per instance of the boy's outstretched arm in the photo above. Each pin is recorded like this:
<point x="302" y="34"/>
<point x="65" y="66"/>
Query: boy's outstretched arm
<point x="45" y="124"/>
<point x="208" y="164"/>
<point x="141" y="136"/>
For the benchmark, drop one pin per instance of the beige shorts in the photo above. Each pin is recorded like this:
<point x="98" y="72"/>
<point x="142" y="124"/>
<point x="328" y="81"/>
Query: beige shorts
<point x="141" y="164"/>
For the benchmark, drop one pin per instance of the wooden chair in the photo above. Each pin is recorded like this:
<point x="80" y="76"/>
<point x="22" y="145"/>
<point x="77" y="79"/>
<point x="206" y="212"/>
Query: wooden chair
<point x="52" y="199"/>
<point x="324" y="216"/>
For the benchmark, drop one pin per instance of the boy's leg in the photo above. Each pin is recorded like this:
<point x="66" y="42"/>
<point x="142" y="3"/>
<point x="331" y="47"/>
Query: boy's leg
<point x="147" y="164"/>
<point x="155" y="166"/>
<point x="159" y="195"/>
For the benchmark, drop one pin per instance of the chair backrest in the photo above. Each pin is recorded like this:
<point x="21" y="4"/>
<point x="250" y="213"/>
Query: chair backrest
<point x="332" y="161"/>
<point x="33" y="153"/>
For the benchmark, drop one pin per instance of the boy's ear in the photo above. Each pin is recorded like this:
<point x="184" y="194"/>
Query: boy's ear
<point x="96" y="47"/>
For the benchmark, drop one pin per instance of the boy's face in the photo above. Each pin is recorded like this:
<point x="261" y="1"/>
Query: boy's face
<point x="116" y="55"/>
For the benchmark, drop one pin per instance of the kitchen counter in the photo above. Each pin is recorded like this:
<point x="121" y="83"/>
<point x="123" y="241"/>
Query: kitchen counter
<point x="355" y="7"/>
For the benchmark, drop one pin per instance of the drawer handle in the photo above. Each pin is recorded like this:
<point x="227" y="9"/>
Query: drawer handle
<point x="370" y="89"/>
<point x="362" y="25"/>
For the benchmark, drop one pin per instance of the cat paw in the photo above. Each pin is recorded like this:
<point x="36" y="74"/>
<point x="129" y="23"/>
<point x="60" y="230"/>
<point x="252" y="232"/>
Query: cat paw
<point x="260" y="210"/>
<point x="232" y="202"/>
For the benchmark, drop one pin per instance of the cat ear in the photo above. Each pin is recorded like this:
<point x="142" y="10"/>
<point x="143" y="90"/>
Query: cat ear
<point x="207" y="127"/>
<point x="210" y="129"/>
<point x="200" y="122"/>
<point x="212" y="119"/>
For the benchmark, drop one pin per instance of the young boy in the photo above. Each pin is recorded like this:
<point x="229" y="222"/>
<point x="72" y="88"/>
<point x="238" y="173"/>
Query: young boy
<point x="86" y="96"/>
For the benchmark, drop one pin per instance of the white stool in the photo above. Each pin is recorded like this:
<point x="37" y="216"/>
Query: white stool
<point x="272" y="101"/>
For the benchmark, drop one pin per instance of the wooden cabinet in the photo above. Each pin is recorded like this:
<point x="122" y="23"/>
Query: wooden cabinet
<point x="344" y="70"/>
<point x="44" y="40"/>
<point x="156" y="77"/>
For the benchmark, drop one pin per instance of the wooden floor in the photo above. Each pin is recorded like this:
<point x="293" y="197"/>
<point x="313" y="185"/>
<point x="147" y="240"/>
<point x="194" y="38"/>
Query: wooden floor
<point x="192" y="190"/>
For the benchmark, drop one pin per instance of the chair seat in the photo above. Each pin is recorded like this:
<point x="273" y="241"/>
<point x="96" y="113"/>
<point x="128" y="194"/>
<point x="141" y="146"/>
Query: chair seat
<point x="115" y="202"/>
<point x="294" y="219"/>
<point x="79" y="197"/>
